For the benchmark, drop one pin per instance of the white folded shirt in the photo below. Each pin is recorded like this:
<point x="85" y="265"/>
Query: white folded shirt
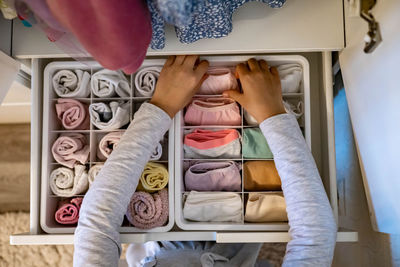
<point x="291" y="75"/>
<point x="109" y="83"/>
<point x="65" y="182"/>
<point x="146" y="80"/>
<point x="73" y="84"/>
<point x="213" y="207"/>
<point x="110" y="116"/>
<point x="227" y="151"/>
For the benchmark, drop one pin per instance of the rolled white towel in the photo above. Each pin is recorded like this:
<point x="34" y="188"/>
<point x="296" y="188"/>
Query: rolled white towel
<point x="109" y="83"/>
<point x="290" y="108"/>
<point x="71" y="83"/>
<point x="157" y="153"/>
<point x="94" y="170"/>
<point x="65" y="182"/>
<point x="146" y="80"/>
<point x="291" y="75"/>
<point x="110" y="116"/>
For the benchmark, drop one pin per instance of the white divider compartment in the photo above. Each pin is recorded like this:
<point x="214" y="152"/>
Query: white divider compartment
<point x="52" y="129"/>
<point x="181" y="161"/>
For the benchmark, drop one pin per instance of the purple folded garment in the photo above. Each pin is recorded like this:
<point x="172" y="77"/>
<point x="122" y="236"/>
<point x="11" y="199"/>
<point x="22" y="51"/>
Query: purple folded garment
<point x="213" y="176"/>
<point x="71" y="148"/>
<point x="146" y="211"/>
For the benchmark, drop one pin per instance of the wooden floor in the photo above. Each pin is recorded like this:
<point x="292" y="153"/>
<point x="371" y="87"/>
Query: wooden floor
<point x="14" y="167"/>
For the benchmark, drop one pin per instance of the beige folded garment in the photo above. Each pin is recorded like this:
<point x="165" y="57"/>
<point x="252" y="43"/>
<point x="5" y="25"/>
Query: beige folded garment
<point x="154" y="177"/>
<point x="266" y="207"/>
<point x="94" y="170"/>
<point x="65" y="182"/>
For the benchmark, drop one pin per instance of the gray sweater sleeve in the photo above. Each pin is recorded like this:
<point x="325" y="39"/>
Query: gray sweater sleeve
<point x="97" y="235"/>
<point x="312" y="225"/>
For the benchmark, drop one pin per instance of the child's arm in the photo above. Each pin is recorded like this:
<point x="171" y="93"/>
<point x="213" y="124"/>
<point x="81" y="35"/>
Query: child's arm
<point x="312" y="225"/>
<point x="97" y="235"/>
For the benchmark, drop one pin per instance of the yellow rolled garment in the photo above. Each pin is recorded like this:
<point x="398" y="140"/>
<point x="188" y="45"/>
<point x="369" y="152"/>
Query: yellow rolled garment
<point x="266" y="207"/>
<point x="154" y="177"/>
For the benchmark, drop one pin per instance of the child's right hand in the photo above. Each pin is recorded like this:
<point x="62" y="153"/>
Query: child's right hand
<point x="262" y="93"/>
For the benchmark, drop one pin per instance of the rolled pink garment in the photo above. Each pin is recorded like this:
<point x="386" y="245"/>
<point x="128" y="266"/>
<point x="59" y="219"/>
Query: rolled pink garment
<point x="73" y="114"/>
<point x="107" y="144"/>
<point x="68" y="211"/>
<point x="71" y="148"/>
<point x="116" y="33"/>
<point x="146" y="211"/>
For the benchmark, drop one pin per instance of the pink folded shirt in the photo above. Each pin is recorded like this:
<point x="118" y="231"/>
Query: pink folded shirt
<point x="219" y="80"/>
<point x="73" y="114"/>
<point x="68" y="211"/>
<point x="206" y="139"/>
<point x="213" y="176"/>
<point x="213" y="111"/>
<point x="70" y="149"/>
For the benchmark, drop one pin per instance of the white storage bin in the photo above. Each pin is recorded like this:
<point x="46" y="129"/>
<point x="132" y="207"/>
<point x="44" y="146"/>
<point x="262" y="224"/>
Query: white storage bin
<point x="181" y="130"/>
<point x="52" y="128"/>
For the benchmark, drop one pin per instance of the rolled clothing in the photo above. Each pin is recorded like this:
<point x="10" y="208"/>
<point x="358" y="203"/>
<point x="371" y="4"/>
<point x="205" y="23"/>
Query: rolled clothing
<point x="157" y="153"/>
<point x="212" y="144"/>
<point x="65" y="182"/>
<point x="213" y="111"/>
<point x="93" y="171"/>
<point x="146" y="80"/>
<point x="154" y="177"/>
<point x="71" y="83"/>
<point x="254" y="145"/>
<point x="70" y="149"/>
<point x="291" y="76"/>
<point x="68" y="211"/>
<point x="110" y="83"/>
<point x="213" y="207"/>
<point x="213" y="176"/>
<point x="296" y="110"/>
<point x="219" y="80"/>
<point x="261" y="176"/>
<point x="110" y="116"/>
<point x="147" y="211"/>
<point x="266" y="207"/>
<point x="72" y="114"/>
<point x="107" y="144"/>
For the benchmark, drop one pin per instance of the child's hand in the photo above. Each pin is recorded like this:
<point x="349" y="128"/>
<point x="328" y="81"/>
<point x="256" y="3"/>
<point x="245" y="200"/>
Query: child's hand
<point x="262" y="93"/>
<point x="179" y="80"/>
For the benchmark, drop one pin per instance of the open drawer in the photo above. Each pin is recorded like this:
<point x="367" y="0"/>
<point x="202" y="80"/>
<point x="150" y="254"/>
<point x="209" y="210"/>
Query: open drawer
<point x="322" y="143"/>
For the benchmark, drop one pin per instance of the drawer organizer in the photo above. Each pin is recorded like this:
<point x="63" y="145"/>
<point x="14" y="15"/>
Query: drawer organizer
<point x="52" y="128"/>
<point x="182" y="162"/>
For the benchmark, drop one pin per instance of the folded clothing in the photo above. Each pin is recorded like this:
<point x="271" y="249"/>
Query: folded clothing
<point x="94" y="170"/>
<point x="107" y="144"/>
<point x="254" y="145"/>
<point x="146" y="80"/>
<point x="146" y="211"/>
<point x="71" y="148"/>
<point x="110" y="83"/>
<point x="296" y="110"/>
<point x="110" y="116"/>
<point x="65" y="182"/>
<point x="68" y="211"/>
<point x="154" y="177"/>
<point x="72" y="114"/>
<point x="291" y="75"/>
<point x="157" y="153"/>
<point x="261" y="176"/>
<point x="213" y="207"/>
<point x="71" y="83"/>
<point x="213" y="111"/>
<point x="213" y="176"/>
<point x="212" y="144"/>
<point x="219" y="80"/>
<point x="266" y="207"/>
